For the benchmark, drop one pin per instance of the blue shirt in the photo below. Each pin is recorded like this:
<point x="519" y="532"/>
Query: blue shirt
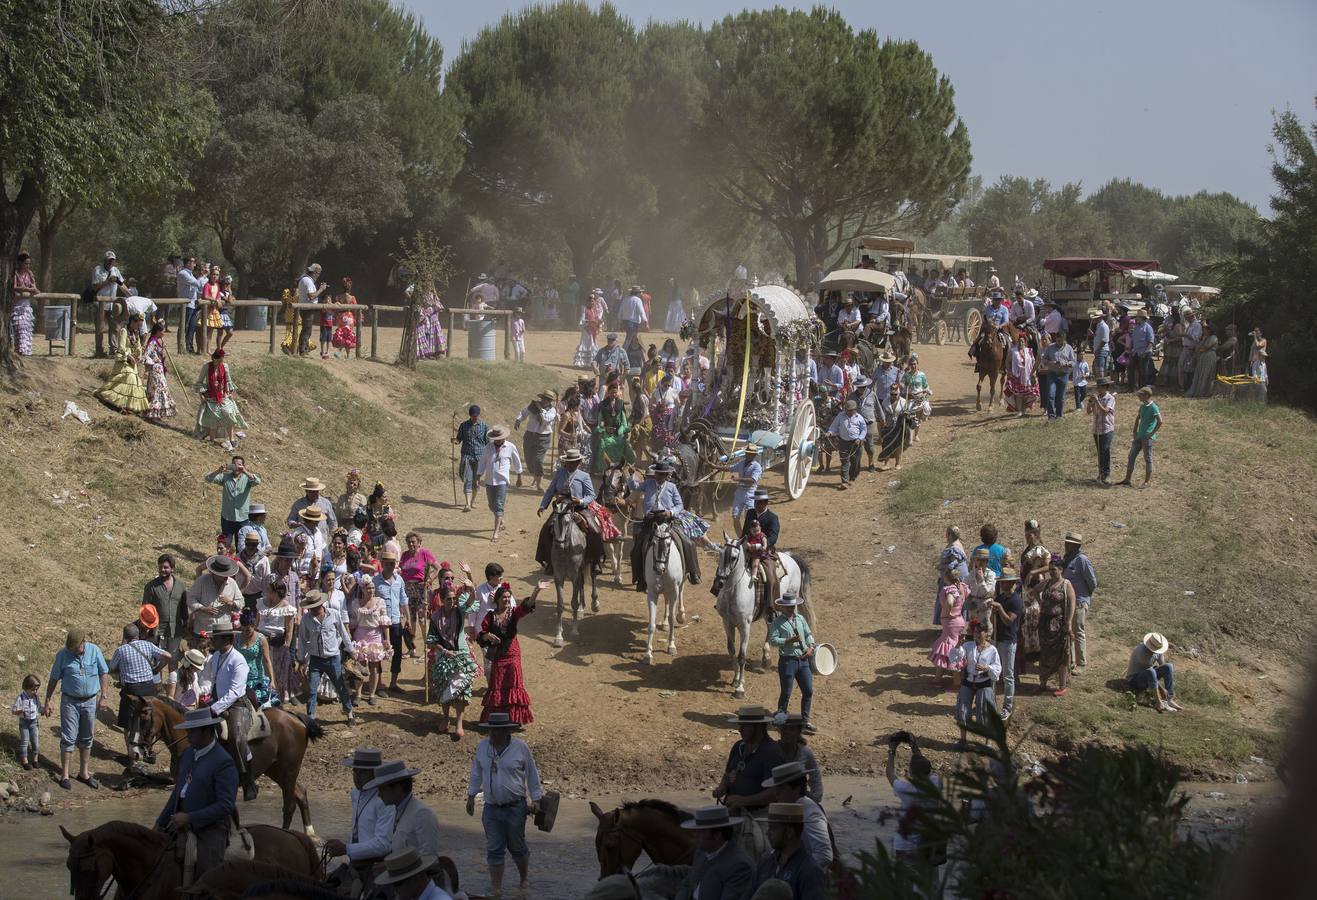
<point x="1142" y="338"/>
<point x="80" y="675"/>
<point x="394" y="595"/>
<point x="849" y="426"/>
<point x="883" y="379"/>
<point x="133" y="661"/>
<point x="577" y="484"/>
<point x="661" y="496"/>
<point x="1079" y="572"/>
<point x="996" y="314"/>
<point x="996" y="553"/>
<point x="473" y="438"/>
<point x="259" y="529"/>
<point x="189" y="286"/>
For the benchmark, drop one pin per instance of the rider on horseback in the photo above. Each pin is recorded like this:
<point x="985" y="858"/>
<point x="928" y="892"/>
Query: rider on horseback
<point x="662" y="504"/>
<point x="569" y="481"/>
<point x="994" y="313"/>
<point x="230" y="703"/>
<point x="205" y="792"/>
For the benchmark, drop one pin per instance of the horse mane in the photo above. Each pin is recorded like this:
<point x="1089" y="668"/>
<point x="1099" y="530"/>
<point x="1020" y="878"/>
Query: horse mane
<point x="659" y="806"/>
<point x="121" y="829"/>
<point x="172" y="704"/>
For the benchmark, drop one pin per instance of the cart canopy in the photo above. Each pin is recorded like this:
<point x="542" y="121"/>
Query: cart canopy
<point x="1071" y="266"/>
<point x="858" y="280"/>
<point x="878" y="242"/>
<point x="945" y="260"/>
<point x="779" y="305"/>
<point x="1193" y="289"/>
<point x="1150" y="275"/>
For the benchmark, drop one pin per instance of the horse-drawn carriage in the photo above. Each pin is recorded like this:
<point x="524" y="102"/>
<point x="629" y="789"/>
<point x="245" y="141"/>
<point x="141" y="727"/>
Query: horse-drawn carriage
<point x="759" y="344"/>
<point x="940" y="314"/>
<point x="1089" y="280"/>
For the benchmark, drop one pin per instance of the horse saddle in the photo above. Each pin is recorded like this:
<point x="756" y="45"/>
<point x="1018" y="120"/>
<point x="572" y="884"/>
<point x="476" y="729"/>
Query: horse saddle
<point x="260" y="727"/>
<point x="589" y="520"/>
<point x="240" y="848"/>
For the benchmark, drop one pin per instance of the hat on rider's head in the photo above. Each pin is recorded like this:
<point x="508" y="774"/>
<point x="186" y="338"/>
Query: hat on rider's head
<point x="787" y="773"/>
<point x="1095" y="313"/>
<point x="497" y="720"/>
<point x="788" y="599"/>
<point x="223" y="627"/>
<point x="751" y="715"/>
<point x="660" y="468"/>
<point x="761" y="494"/>
<point x="572" y="455"/>
<point x="752" y="449"/>
<point x="403" y="865"/>
<point x="711" y="817"/>
<point x="786" y="813"/>
<point x="363" y="758"/>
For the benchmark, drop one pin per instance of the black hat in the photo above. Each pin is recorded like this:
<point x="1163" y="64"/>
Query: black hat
<point x="287" y="549"/>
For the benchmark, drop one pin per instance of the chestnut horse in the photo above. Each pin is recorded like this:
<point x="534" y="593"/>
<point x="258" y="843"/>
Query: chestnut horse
<point x="141" y="860"/>
<point x="278" y="755"/>
<point x="990" y="363"/>
<point x="653" y="826"/>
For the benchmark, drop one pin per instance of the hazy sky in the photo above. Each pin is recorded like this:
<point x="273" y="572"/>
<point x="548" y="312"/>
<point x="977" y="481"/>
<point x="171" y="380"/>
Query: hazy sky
<point x="1177" y="94"/>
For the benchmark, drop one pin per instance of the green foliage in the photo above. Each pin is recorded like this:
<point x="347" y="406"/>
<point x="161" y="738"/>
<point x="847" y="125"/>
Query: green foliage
<point x="1020" y="222"/>
<point x="425" y="262"/>
<point x="547" y="94"/>
<point x="1270" y="282"/>
<point x="824" y="132"/>
<point x="1095" y="824"/>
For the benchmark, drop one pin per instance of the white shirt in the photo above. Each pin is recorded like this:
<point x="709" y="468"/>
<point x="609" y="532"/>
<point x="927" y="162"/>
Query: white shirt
<point x="879" y="310"/>
<point x="230" y="679"/>
<point x="485" y="291"/>
<point x="306" y="288"/>
<point x="372" y="826"/>
<point x="1053" y="321"/>
<point x="312" y="543"/>
<point x="815" y="836"/>
<point x="971" y="655"/>
<point x="143" y="306"/>
<point x="633" y="310"/>
<point x="908" y="795"/>
<point x="516" y="776"/>
<point x="99" y="274"/>
<point x="484" y="603"/>
<point x="1024" y="310"/>
<point x="1102" y="337"/>
<point x="848" y="315"/>
<point x="538" y="421"/>
<point x="498" y="463"/>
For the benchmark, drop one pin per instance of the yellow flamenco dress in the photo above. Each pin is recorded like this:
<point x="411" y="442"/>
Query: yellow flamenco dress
<point x="125" y="390"/>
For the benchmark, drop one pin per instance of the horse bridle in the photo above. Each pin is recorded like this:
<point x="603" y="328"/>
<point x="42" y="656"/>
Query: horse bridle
<point x="111" y="881"/>
<point x="152" y="734"/>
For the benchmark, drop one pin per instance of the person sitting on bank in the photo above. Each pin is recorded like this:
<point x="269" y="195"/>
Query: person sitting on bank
<point x="662" y="503"/>
<point x="720" y="868"/>
<point x="569" y="481"/>
<point x="750" y="761"/>
<point x="1149" y="671"/>
<point x="205" y="793"/>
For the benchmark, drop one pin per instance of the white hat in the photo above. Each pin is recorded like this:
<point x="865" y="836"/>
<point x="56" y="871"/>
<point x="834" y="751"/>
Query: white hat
<point x="1156" y="642"/>
<point x="403" y="865"/>
<point x="390" y="772"/>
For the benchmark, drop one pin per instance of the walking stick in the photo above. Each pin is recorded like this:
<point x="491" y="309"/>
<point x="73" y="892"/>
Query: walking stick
<point x="425" y="642"/>
<point x="453" y="457"/>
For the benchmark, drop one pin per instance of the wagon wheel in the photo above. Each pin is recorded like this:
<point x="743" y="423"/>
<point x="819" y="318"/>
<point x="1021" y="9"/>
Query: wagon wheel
<point x="940" y="332"/>
<point x="801" y="440"/>
<point x="973" y="322"/>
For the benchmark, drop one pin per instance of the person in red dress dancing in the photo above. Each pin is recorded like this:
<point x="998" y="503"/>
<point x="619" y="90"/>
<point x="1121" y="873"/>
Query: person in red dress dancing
<point x="498" y="636"/>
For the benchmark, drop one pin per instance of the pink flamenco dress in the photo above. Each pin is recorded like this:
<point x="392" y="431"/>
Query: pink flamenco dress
<point x="507" y="689"/>
<point x="345" y="335"/>
<point x="372" y="624"/>
<point x="953" y="597"/>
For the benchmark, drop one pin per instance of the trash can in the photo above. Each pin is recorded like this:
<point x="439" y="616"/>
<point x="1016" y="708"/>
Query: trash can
<point x="480" y="339"/>
<point x="258" y="317"/>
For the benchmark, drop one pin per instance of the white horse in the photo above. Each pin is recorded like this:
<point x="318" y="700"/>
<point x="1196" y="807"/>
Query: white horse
<point x="665" y="572"/>
<point x="736" y="602"/>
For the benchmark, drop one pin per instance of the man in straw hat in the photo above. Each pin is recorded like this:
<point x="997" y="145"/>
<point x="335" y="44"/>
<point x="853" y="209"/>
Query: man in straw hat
<point x="1149" y="670"/>
<point x="205" y="792"/>
<point x="323" y="637"/>
<point x="791" y="780"/>
<point x="1082" y="576"/>
<point x="720" y="867"/>
<point x="213" y="597"/>
<point x="499" y="462"/>
<point x="415" y="826"/>
<point x="885" y="374"/>
<point x="504" y="770"/>
<point x="569" y="481"/>
<point x="540" y="416"/>
<point x="850" y="430"/>
<point x="750" y="761"/>
<point x="372" y="818"/>
<point x="409" y="873"/>
<point x="314" y="488"/>
<point x="1147" y="423"/>
<point x="829" y="373"/>
<point x="790" y="859"/>
<point x="229" y="698"/>
<point x="312" y="545"/>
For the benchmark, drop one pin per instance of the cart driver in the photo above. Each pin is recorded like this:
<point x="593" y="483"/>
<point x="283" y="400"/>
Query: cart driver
<point x="902" y="282"/>
<point x="1023" y="312"/>
<point x="662" y="504"/>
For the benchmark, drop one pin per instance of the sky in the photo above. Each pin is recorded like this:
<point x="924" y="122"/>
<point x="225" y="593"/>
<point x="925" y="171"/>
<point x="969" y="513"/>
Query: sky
<point x="1176" y="94"/>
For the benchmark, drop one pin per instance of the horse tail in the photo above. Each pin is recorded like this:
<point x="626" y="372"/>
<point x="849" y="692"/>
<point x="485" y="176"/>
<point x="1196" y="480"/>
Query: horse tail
<point x="314" y="730"/>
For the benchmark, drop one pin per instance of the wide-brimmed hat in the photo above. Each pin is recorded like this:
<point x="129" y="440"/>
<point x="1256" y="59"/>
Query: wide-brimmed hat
<point x="223" y="626"/>
<point x="1140" y="314"/>
<point x="498" y="433"/>
<point x="287" y="549"/>
<point x="751" y="715"/>
<point x="711" y="817"/>
<point x="982" y="553"/>
<point x="788" y="600"/>
<point x="572" y="455"/>
<point x="636" y="289"/>
<point x="311" y="514"/>
<point x="1095" y="313"/>
<point x="498" y="720"/>
<point x="221" y="565"/>
<point x="363" y="758"/>
<point x="751" y="449"/>
<point x="251" y="538"/>
<point x="851" y="406"/>
<point x="389" y="772"/>
<point x="761" y="494"/>
<point x="786" y="773"/>
<point x="1156" y="642"/>
<point x="148" y="615"/>
<point x="199" y="718"/>
<point x="389" y="554"/>
<point x="659" y="468"/>
<point x="862" y="382"/>
<point x="312" y="484"/>
<point x="791" y="719"/>
<point x="1073" y="537"/>
<point x="787" y="813"/>
<point x="312" y="599"/>
<point x="256" y="509"/>
<point x="551" y="396"/>
<point x="1007" y="576"/>
<point x="1030" y="294"/>
<point x="403" y="865"/>
<point x="193" y="659"/>
<point x="886" y="357"/>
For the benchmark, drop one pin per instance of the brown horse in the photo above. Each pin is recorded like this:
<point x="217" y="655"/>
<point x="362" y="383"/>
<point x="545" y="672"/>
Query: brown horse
<point x="278" y="755"/>
<point x="990" y="363"/>
<point x="653" y="826"/>
<point x="141" y="860"/>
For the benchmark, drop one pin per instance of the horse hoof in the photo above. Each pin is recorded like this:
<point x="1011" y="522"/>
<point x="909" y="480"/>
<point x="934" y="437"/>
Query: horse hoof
<point x="594" y="605"/>
<point x="739" y="694"/>
<point x="576" y="632"/>
<point x="649" y="659"/>
<point x="557" y="641"/>
<point x="672" y="649"/>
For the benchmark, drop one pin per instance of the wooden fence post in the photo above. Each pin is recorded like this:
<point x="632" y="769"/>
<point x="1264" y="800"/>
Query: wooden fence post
<point x="507" y="336"/>
<point x="374" y="333"/>
<point x="270" y="321"/>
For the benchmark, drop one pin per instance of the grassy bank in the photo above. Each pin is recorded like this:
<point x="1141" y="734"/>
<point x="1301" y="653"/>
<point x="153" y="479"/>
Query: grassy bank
<point x="1211" y="555"/>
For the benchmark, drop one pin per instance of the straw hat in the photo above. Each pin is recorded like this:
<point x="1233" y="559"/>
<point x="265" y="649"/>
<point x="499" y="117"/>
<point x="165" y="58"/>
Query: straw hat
<point x="363" y="758"/>
<point x="313" y="599"/>
<point x="751" y="715"/>
<point x="193" y="659"/>
<point x="498" y="720"/>
<point x="786" y="813"/>
<point x="751" y="449"/>
<point x="312" y="484"/>
<point x="222" y="566"/>
<point x="498" y="433"/>
<point x="886" y="357"/>
<point x="389" y="554"/>
<point x="390" y="772"/>
<point x="572" y="455"/>
<point x="403" y="865"/>
<point x="199" y="718"/>
<point x="1074" y="537"/>
<point x="551" y="396"/>
<point x="311" y="514"/>
<point x="1156" y="642"/>
<point x="787" y="773"/>
<point x="711" y="817"/>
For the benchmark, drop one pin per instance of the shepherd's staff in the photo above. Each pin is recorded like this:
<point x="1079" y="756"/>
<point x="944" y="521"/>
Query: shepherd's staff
<point x="453" y="456"/>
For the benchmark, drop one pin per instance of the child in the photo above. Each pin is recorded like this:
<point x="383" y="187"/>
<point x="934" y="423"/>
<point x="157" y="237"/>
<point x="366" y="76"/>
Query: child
<point x="345" y="335"/>
<point x="211" y="326"/>
<point x="518" y="332"/>
<point x="763" y="563"/>
<point x="326" y="328"/>
<point x="226" y="309"/>
<point x="1081" y="373"/>
<point x="1146" y="425"/>
<point x="28" y="708"/>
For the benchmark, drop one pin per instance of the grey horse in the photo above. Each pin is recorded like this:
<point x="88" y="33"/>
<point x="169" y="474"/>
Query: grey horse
<point x="567" y="556"/>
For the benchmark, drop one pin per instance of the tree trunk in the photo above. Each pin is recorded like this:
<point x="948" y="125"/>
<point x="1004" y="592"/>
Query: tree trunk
<point x="583" y="256"/>
<point x="15" y="217"/>
<point x="49" y="223"/>
<point x="802" y="251"/>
